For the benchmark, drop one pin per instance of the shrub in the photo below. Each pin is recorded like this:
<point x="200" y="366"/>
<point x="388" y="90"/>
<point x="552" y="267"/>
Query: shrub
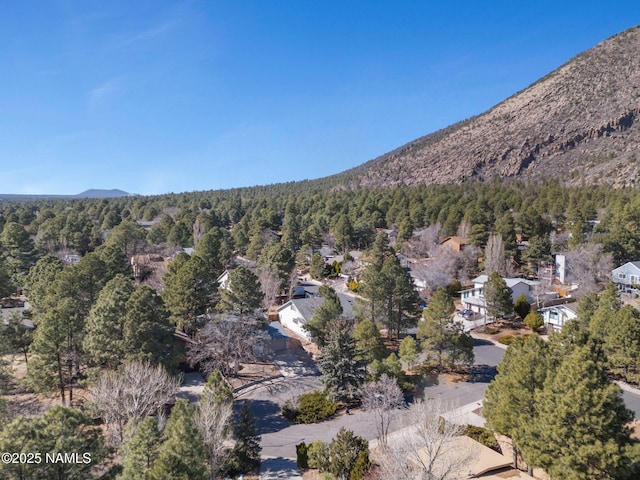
<point x="302" y="455"/>
<point x="534" y="321"/>
<point x="318" y="455"/>
<point x="454" y="288"/>
<point x="311" y="407"/>
<point x="491" y="330"/>
<point x="522" y="306"/>
<point x="506" y="340"/>
<point x="484" y="436"/>
<point x="361" y="467"/>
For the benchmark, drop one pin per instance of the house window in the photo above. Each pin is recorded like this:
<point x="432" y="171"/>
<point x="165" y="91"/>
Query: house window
<point x="634" y="279"/>
<point x="622" y="276"/>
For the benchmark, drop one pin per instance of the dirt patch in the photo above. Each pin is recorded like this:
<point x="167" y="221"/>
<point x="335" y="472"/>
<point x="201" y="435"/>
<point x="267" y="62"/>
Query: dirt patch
<point x="253" y="372"/>
<point x="450" y="378"/>
<point x="502" y="328"/>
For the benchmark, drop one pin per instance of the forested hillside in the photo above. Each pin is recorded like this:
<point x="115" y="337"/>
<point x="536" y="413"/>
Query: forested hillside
<point x="102" y="327"/>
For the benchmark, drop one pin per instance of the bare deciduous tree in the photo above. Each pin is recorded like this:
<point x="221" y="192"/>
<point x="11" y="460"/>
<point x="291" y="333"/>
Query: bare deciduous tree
<point x="135" y="391"/>
<point x="494" y="259"/>
<point x="383" y="398"/>
<point x="225" y="342"/>
<point x="587" y="265"/>
<point x="428" y="448"/>
<point x="269" y="285"/>
<point x="213" y="421"/>
<point x="425" y="242"/>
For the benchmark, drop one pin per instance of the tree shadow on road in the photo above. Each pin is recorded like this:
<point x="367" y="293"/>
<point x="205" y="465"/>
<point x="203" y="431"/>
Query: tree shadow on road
<point x="279" y="468"/>
<point x="482" y="373"/>
<point x="268" y="415"/>
<point x="477" y="342"/>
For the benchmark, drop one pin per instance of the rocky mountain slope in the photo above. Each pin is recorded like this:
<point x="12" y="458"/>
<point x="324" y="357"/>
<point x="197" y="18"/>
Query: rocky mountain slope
<point x="580" y="123"/>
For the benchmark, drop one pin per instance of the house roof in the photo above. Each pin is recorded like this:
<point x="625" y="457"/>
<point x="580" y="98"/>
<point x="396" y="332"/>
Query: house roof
<point x="635" y="264"/>
<point x="564" y="308"/>
<point x="456" y="239"/>
<point x="511" y="282"/>
<point x="483" y="462"/>
<point x="306" y="307"/>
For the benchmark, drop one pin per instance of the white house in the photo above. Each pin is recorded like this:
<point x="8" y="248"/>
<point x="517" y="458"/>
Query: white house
<point x="626" y="276"/>
<point x="473" y="298"/>
<point x="555" y="317"/>
<point x="223" y="280"/>
<point x="297" y="312"/>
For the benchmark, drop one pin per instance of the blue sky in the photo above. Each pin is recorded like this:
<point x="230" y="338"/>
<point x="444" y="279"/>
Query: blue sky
<point x="156" y="96"/>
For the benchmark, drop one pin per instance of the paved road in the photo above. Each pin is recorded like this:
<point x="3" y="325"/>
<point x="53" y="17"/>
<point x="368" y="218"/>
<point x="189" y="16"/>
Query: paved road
<point x="279" y="437"/>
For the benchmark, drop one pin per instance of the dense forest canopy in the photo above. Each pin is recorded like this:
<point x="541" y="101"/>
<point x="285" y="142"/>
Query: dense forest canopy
<point x="304" y="212"/>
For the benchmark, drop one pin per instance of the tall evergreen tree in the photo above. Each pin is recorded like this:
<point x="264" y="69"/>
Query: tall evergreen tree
<point x="510" y="402"/>
<point x="246" y="452"/>
<point x="368" y="341"/>
<point x="147" y="331"/>
<point x="342" y="372"/>
<point x="140" y="449"/>
<point x="104" y="336"/>
<point x="498" y="296"/>
<point x="329" y="310"/>
<point x="243" y="294"/>
<point x="188" y="289"/>
<point x="441" y="338"/>
<point x="401" y="298"/>
<point x="181" y="455"/>
<point x="580" y="431"/>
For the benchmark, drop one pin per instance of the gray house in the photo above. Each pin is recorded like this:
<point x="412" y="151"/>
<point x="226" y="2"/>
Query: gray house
<point x="627" y="277"/>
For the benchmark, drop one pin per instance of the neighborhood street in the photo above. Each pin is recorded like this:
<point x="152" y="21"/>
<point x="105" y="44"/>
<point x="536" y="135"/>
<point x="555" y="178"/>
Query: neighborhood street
<point x="300" y="375"/>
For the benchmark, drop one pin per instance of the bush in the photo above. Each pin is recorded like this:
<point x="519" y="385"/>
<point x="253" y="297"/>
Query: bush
<point x="506" y="340"/>
<point x="491" y="330"/>
<point x="483" y="436"/>
<point x="534" y="321"/>
<point x="302" y="456"/>
<point x="522" y="306"/>
<point x="311" y="407"/>
<point x="361" y="467"/>
<point x="318" y="455"/>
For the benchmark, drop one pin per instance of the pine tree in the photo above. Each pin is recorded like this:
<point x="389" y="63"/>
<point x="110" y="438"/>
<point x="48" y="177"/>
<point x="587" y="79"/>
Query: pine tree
<point x="140" y="449"/>
<point x="443" y="339"/>
<point x="580" y="431"/>
<point x="522" y="306"/>
<point x="342" y="372"/>
<point x="510" y="402"/>
<point x="327" y="312"/>
<point x="400" y="297"/>
<point x="368" y="341"/>
<point x="409" y="351"/>
<point x="246" y="451"/>
<point x="243" y="294"/>
<point x="498" y="296"/>
<point x="104" y="338"/>
<point x="147" y="331"/>
<point x="181" y="455"/>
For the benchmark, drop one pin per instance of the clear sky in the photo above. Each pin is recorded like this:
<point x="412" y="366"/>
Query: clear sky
<point x="157" y="96"/>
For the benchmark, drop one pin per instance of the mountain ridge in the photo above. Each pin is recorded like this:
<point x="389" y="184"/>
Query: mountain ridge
<point x="577" y="123"/>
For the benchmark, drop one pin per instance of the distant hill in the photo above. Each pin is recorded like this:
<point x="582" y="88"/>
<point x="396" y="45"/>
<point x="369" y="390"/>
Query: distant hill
<point x="97" y="193"/>
<point x="579" y="123"/>
<point x="92" y="193"/>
